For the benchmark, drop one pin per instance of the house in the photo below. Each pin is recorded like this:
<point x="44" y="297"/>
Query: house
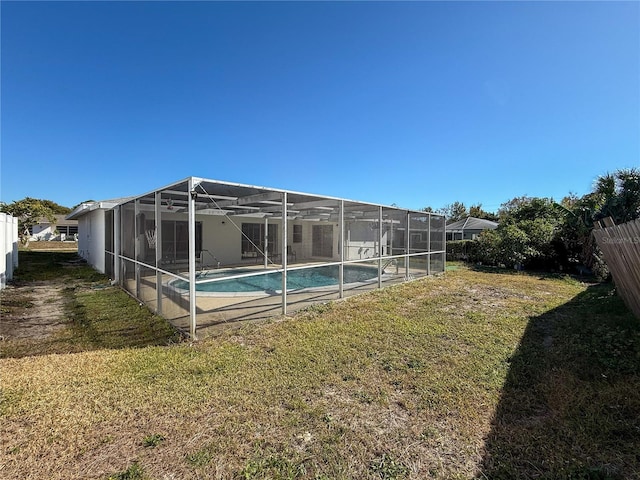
<point x="90" y="219"/>
<point x="469" y="228"/>
<point x="61" y="229"/>
<point x="206" y="253"/>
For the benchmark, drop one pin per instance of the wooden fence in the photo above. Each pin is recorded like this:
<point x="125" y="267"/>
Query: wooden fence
<point x="620" y="246"/>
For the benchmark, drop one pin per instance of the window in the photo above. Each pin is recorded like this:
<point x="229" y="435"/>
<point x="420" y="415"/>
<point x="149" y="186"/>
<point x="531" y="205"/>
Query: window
<point x="297" y="234"/>
<point x="322" y="245"/>
<point x="252" y="243"/>
<point x="108" y="230"/>
<point x="67" y="229"/>
<point x="175" y="240"/>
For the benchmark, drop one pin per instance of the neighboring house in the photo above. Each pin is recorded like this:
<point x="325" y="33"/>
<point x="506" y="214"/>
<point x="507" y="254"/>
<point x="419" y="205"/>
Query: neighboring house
<point x="61" y="229"/>
<point x="205" y="252"/>
<point x="469" y="228"/>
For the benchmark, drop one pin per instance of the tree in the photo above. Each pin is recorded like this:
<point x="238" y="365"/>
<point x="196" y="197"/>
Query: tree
<point x="29" y="211"/>
<point x="540" y="233"/>
<point x="457" y="211"/>
<point x="528" y="208"/>
<point x="528" y="235"/>
<point x="81" y="203"/>
<point x="477" y="212"/>
<point x="617" y="195"/>
<point x="56" y="208"/>
<point x="454" y="211"/>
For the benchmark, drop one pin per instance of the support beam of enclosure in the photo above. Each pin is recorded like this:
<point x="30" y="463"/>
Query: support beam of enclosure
<point x="284" y="253"/>
<point x="341" y="267"/>
<point x="249" y="199"/>
<point x="116" y="245"/>
<point x="135" y="249"/>
<point x="315" y="204"/>
<point x="158" y="233"/>
<point x="265" y="242"/>
<point x="408" y="246"/>
<point x="379" y="247"/>
<point x="192" y="260"/>
<point x="444" y="245"/>
<point x="429" y="245"/>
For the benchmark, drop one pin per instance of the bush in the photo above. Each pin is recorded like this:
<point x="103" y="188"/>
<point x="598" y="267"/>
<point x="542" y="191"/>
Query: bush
<point x="458" y="249"/>
<point x="527" y="244"/>
<point x="485" y="249"/>
<point x="528" y="236"/>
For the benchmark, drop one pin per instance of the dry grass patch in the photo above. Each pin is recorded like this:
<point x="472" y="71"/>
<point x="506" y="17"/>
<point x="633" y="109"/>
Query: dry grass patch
<point x="50" y="246"/>
<point x="406" y="382"/>
<point x="58" y="304"/>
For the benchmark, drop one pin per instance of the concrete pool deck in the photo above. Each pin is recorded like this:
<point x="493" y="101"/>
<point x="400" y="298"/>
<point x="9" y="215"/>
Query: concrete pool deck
<point x="216" y="313"/>
<point x="221" y="312"/>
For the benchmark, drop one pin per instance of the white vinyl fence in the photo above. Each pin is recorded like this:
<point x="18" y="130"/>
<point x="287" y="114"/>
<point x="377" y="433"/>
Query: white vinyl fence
<point x="8" y="247"/>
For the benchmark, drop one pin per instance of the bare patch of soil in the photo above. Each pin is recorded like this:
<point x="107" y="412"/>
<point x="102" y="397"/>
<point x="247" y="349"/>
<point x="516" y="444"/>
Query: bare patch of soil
<point x="33" y="311"/>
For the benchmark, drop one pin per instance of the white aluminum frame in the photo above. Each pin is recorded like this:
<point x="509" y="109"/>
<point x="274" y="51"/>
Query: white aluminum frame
<point x="269" y="201"/>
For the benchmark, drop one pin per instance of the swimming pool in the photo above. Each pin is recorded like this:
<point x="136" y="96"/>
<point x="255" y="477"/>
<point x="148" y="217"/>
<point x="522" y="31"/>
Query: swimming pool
<point x="271" y="283"/>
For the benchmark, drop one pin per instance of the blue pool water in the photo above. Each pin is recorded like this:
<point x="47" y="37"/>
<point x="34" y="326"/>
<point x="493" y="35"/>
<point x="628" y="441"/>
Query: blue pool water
<point x="271" y="282"/>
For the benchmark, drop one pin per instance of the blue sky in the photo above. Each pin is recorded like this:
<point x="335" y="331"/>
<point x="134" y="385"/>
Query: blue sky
<point x="417" y="103"/>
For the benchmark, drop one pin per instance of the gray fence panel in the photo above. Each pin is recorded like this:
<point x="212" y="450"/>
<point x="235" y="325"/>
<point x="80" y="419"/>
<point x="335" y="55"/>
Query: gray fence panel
<point x="620" y="246"/>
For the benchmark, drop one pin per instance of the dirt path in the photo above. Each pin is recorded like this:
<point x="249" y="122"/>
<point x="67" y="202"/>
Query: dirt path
<point x="34" y="311"/>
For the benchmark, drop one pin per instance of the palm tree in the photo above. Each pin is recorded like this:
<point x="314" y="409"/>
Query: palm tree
<point x="617" y="195"/>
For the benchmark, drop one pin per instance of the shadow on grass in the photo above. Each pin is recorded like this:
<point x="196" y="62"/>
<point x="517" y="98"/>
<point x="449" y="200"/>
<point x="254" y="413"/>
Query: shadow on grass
<point x="570" y="407"/>
<point x="512" y="271"/>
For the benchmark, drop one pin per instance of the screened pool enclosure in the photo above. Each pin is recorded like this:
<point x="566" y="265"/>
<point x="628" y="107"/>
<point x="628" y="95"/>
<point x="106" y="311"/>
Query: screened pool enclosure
<point x="204" y="253"/>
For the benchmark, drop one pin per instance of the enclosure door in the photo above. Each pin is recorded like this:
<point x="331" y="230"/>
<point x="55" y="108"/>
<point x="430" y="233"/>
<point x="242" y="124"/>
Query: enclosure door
<point x="322" y="241"/>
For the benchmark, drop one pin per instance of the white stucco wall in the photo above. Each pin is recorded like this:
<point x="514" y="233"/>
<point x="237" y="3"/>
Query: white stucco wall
<point x="223" y="239"/>
<point x="91" y="244"/>
<point x="42" y="232"/>
<point x="361" y="241"/>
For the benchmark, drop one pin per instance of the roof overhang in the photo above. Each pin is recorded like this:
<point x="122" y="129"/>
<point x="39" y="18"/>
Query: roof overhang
<point x="87" y="207"/>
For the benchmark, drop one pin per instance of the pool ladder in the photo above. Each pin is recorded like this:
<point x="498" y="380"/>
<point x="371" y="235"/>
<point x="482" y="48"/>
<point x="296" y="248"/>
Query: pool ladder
<point x="390" y="262"/>
<point x="215" y="259"/>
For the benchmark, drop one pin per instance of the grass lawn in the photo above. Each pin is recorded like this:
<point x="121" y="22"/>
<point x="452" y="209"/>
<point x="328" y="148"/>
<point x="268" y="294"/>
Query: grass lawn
<point x="477" y="374"/>
<point x="49" y="246"/>
<point x="53" y="292"/>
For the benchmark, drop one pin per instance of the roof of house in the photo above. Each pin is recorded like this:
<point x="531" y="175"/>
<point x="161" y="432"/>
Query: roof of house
<point x="85" y="208"/>
<point x="472" y="223"/>
<point x="60" y="220"/>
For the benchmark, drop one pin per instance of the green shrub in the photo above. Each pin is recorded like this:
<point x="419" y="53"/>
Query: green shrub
<point x="458" y="249"/>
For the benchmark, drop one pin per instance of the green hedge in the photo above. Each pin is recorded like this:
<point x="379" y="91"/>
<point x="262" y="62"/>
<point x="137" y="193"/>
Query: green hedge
<point x="459" y="249"/>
